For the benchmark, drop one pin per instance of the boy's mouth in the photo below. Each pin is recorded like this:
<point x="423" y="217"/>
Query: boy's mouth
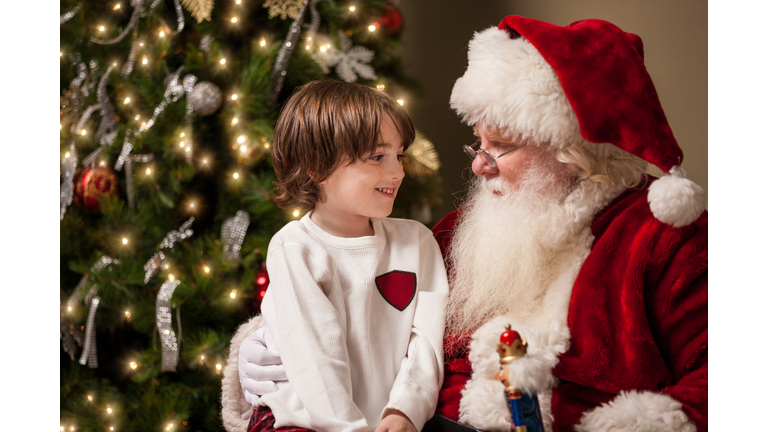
<point x="386" y="191"/>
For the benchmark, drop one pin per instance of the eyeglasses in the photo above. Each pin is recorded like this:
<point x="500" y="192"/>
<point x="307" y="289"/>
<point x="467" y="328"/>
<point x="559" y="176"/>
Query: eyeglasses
<point x="487" y="157"/>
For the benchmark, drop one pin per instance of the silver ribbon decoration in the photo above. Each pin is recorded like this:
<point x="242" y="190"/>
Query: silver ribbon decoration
<point x="106" y="133"/>
<point x="172" y="237"/>
<point x="128" y="65"/>
<point x="68" y="332"/>
<point x="205" y="44"/>
<point x="278" y="72"/>
<point x="89" y="350"/>
<point x="179" y="17"/>
<point x="68" y="15"/>
<point x="170" y="347"/>
<point x="77" y="127"/>
<point x="68" y="168"/>
<point x="314" y="21"/>
<point x="233" y="233"/>
<point x="138" y="11"/>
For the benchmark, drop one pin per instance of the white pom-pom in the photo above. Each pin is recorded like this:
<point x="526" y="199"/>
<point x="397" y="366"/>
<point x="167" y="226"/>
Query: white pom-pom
<point x="675" y="200"/>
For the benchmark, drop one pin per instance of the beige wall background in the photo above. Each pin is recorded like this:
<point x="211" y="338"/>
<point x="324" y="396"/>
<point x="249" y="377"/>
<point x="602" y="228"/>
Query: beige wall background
<point x="674" y="34"/>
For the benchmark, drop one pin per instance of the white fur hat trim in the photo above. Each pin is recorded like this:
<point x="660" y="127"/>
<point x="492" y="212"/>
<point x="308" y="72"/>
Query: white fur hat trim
<point x="675" y="200"/>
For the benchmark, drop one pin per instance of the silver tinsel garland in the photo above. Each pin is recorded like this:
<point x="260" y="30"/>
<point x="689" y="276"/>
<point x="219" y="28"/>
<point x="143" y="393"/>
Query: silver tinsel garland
<point x="281" y="64"/>
<point x="68" y="15"/>
<point x="170" y="346"/>
<point x="68" y="168"/>
<point x="233" y="233"/>
<point x="89" y="350"/>
<point x="172" y="237"/>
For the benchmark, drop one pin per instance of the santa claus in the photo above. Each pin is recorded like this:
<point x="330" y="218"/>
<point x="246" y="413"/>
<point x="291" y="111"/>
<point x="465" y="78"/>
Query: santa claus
<point x="600" y="267"/>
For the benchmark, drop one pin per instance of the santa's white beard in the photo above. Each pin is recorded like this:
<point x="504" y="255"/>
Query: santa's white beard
<point x="505" y="246"/>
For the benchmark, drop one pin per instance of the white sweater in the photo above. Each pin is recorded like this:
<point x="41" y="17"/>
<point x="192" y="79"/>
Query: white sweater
<point x="349" y="353"/>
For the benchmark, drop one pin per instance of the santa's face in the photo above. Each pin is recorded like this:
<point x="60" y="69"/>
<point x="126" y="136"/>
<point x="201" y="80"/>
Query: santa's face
<point x="512" y="168"/>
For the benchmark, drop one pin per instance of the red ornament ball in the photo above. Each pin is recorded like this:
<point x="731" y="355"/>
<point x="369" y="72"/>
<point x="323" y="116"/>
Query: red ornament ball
<point x="260" y="283"/>
<point x="391" y="19"/>
<point x="92" y="184"/>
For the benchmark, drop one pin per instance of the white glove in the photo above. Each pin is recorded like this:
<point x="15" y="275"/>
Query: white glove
<point x="259" y="365"/>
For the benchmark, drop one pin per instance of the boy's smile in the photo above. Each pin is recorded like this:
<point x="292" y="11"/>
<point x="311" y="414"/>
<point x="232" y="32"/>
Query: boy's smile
<point x="364" y="189"/>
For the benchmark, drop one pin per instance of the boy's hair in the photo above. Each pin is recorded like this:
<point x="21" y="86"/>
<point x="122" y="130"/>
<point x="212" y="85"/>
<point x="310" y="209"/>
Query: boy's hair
<point x="325" y="124"/>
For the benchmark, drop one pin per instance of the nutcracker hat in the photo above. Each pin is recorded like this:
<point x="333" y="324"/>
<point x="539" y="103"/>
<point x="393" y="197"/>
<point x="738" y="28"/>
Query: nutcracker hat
<point x="584" y="84"/>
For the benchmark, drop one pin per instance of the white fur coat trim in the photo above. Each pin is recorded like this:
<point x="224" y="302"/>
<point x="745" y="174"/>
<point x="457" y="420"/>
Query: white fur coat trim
<point x="482" y="403"/>
<point x="236" y="412"/>
<point x="635" y="411"/>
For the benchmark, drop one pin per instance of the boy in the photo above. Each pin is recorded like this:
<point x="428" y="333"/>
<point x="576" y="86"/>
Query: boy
<point x="356" y="303"/>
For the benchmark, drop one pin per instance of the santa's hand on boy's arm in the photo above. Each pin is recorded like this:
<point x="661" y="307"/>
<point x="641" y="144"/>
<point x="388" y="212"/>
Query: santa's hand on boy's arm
<point x="395" y="421"/>
<point x="259" y="365"/>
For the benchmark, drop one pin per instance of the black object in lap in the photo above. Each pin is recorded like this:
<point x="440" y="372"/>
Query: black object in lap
<point x="439" y="423"/>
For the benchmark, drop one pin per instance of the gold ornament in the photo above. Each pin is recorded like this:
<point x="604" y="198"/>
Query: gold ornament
<point x="284" y="8"/>
<point x="422" y="160"/>
<point x="199" y="9"/>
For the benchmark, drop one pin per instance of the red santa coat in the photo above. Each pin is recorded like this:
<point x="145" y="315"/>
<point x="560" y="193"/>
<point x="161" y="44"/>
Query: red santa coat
<point x="637" y="320"/>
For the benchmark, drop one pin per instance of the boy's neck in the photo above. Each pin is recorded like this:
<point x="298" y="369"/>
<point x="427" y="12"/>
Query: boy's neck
<point x="341" y="225"/>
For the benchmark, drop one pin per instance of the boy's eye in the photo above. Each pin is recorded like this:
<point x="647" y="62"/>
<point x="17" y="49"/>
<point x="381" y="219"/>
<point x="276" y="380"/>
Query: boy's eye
<point x="400" y="157"/>
<point x="377" y="157"/>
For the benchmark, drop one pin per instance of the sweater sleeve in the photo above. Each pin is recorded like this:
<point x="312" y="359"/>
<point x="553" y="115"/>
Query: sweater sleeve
<point x="310" y="334"/>
<point x="421" y="372"/>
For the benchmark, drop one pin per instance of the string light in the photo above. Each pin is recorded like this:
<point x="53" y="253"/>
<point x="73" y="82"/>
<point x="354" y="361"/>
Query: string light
<point x="266" y="145"/>
<point x="144" y="60"/>
<point x="322" y="48"/>
<point x="234" y="19"/>
<point x="234" y="121"/>
<point x="233" y="293"/>
<point x="82" y="132"/>
<point x="218" y="366"/>
<point x="296" y="213"/>
<point x="241" y="139"/>
<point x="109" y="410"/>
<point x="117" y="6"/>
<point x="141" y="43"/>
<point x="401" y="102"/>
<point x="137" y="117"/>
<point x="263" y="42"/>
<point x="352" y="8"/>
<point x="127" y="101"/>
<point x="101" y="28"/>
<point x="102" y="163"/>
<point x="127" y="314"/>
<point x="237" y="1"/>
<point x="234" y="97"/>
<point x="149" y="171"/>
<point x="205" y="161"/>
<point x="380" y="87"/>
<point x="171" y="277"/>
<point x="71" y="428"/>
<point x="372" y="28"/>
<point x="61" y="54"/>
<point x="191" y="205"/>
<point x="162" y="33"/>
<point x="235" y="175"/>
<point x="90" y="398"/>
<point x="125" y="240"/>
<point x="66" y="155"/>
<point x="166" y="266"/>
<point x="181" y="144"/>
<point x="181" y="135"/>
<point x="206" y="269"/>
<point x="223" y="60"/>
<point x="69" y="308"/>
<point x="134" y="365"/>
<point x="243" y="149"/>
<point x="111" y="428"/>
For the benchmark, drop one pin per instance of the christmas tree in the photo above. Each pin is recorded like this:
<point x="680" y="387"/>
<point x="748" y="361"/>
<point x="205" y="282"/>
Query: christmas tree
<point x="166" y="119"/>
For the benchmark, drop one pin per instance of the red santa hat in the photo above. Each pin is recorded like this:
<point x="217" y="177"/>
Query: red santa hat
<point x="584" y="84"/>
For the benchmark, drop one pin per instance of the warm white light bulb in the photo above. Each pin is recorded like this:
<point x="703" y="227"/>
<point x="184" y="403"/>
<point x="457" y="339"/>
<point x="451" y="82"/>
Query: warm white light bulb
<point x="137" y="117"/>
<point x="223" y="60"/>
<point x="117" y="6"/>
<point x="371" y="28"/>
<point x="205" y="161"/>
<point x="266" y="145"/>
<point x="234" y="19"/>
<point x="295" y="213"/>
<point x="82" y="132"/>
<point x="144" y="60"/>
<point x="380" y="87"/>
<point x="243" y="149"/>
<point x="66" y="155"/>
<point x="181" y="144"/>
<point x="237" y="1"/>
<point x="401" y="102"/>
<point x="90" y="398"/>
<point x="234" y="121"/>
<point x="171" y="277"/>
<point x="241" y="139"/>
<point x="202" y="357"/>
<point x="234" y="97"/>
<point x="127" y="100"/>
<point x="125" y="240"/>
<point x="134" y="365"/>
<point x="127" y="314"/>
<point x="218" y="366"/>
<point x="206" y="269"/>
<point x="263" y="42"/>
<point x="162" y="33"/>
<point x="101" y="28"/>
<point x="235" y="175"/>
<point x="233" y="293"/>
<point x="109" y="410"/>
<point x="352" y="8"/>
<point x="149" y="171"/>
<point x="322" y="48"/>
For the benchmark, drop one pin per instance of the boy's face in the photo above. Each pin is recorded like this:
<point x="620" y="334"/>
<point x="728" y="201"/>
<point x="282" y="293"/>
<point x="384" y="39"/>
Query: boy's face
<point x="366" y="188"/>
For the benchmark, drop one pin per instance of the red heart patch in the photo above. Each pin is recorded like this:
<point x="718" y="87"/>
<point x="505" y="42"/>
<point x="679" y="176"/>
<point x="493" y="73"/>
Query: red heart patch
<point x="397" y="287"/>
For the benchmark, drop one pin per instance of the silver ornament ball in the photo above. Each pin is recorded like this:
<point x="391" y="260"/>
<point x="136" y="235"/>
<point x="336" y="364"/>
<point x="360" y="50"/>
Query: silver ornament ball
<point x="205" y="98"/>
